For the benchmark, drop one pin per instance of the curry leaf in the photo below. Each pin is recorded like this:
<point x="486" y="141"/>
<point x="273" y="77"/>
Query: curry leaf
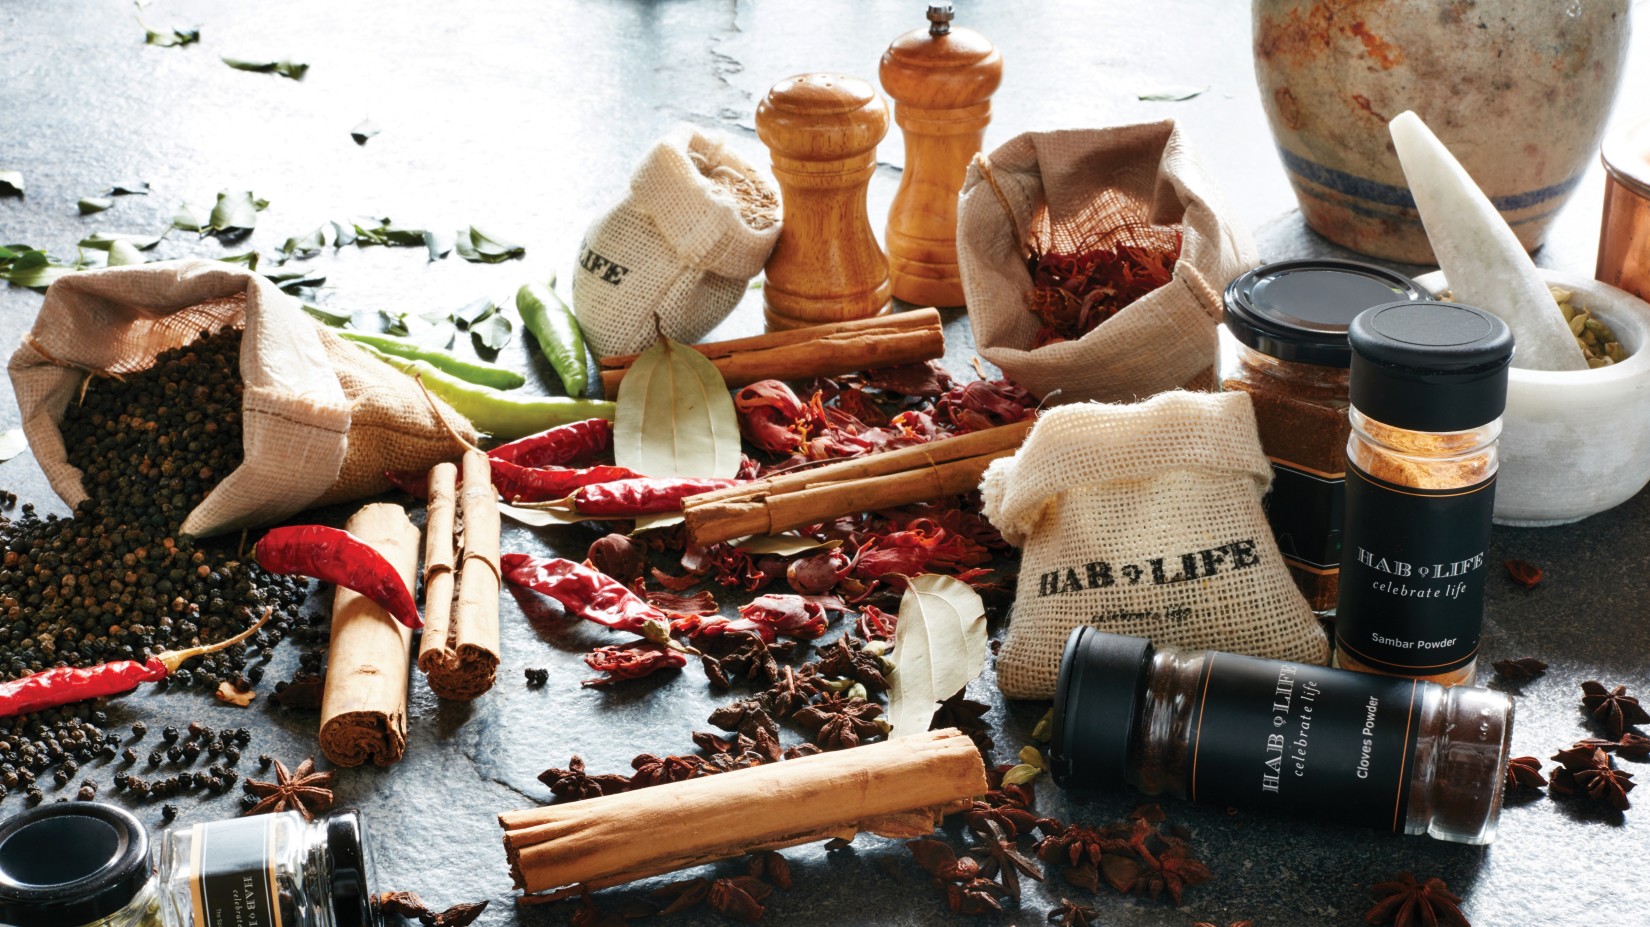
<point x="343" y="233"/>
<point x="675" y="417"/>
<point x="289" y="69"/>
<point x="12" y="443"/>
<point x="387" y="234"/>
<point x="479" y="247"/>
<point x="122" y="252"/>
<point x="190" y="218"/>
<point x="91" y="204"/>
<point x="1173" y="94"/>
<point x="236" y="211"/>
<point x="364" y="130"/>
<point x="34" y="269"/>
<point x="939" y="645"/>
<point x="297" y="282"/>
<point x="170" y="38"/>
<point x="130" y="188"/>
<point x="432" y="328"/>
<point x="327" y="315"/>
<point x="11" y="183"/>
<point x="304" y="245"/>
<point x="250" y="259"/>
<point x="472" y="313"/>
<point x="440" y="244"/>
<point x="492" y="332"/>
<point x="104" y="241"/>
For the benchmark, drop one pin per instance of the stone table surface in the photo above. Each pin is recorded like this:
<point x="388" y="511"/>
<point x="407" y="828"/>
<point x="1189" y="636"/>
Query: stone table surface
<point x="526" y="118"/>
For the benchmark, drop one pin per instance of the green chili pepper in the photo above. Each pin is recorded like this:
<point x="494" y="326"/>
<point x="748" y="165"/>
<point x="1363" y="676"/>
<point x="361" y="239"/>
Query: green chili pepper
<point x="474" y="371"/>
<point x="500" y="414"/>
<point x="558" y="334"/>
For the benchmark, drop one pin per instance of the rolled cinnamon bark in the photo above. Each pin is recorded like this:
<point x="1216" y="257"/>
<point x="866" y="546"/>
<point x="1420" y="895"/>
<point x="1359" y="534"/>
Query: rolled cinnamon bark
<point x="460" y="656"/>
<point x="364" y="706"/>
<point x="815" y="351"/>
<point x="897" y="788"/>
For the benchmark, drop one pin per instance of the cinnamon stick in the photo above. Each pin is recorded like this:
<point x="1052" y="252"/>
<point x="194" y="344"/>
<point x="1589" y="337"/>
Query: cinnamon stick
<point x="364" y="705"/>
<point x="460" y="650"/>
<point x="897" y="788"/>
<point x="815" y="351"/>
<point x="863" y="484"/>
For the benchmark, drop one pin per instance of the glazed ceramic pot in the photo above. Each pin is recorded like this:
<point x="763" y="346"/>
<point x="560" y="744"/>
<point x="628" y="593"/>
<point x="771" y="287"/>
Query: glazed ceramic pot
<point x="1518" y="89"/>
<point x="1575" y="442"/>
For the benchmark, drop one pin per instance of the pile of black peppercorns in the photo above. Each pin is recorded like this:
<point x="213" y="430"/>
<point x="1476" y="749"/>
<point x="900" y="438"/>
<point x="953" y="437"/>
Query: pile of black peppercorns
<point x="117" y="581"/>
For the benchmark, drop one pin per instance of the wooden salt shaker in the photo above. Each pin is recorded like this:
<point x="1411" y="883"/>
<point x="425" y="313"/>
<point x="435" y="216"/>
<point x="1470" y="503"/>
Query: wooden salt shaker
<point x="941" y="80"/>
<point x="823" y="130"/>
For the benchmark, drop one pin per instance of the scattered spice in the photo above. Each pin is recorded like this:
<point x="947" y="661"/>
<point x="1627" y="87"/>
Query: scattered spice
<point x="1613" y="708"/>
<point x="631" y="661"/>
<point x="303" y="691"/>
<point x="1524" y="772"/>
<point x="1072" y="294"/>
<point x="1403" y="902"/>
<point x="1521" y="670"/>
<point x="619" y="557"/>
<point x="739" y="897"/>
<point x="1597" y="341"/>
<point x="1524" y="573"/>
<point x="536" y="678"/>
<point x="302" y="790"/>
<point x="1069" y="913"/>
<point x="1586" y="770"/>
<point x="573" y="783"/>
<point x="229" y="694"/>
<point x="409" y="905"/>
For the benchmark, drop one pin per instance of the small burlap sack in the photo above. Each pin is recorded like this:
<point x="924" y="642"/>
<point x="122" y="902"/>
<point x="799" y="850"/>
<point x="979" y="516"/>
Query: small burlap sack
<point x="321" y="419"/>
<point x="1144" y="520"/>
<point x="1068" y="191"/>
<point x="698" y="224"/>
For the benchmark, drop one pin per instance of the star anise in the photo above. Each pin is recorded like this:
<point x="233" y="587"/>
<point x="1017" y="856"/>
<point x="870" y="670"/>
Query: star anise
<point x="1591" y="774"/>
<point x="1613" y="708"/>
<point x="771" y="867"/>
<point x="682" y="895"/>
<point x="1520" y="670"/>
<point x="1001" y="858"/>
<point x="302" y="790"/>
<point x="838" y="723"/>
<point x="1174" y="870"/>
<point x="939" y="860"/>
<point x="656" y="770"/>
<point x="589" y="915"/>
<point x="747" y="716"/>
<point x="792" y="690"/>
<point x="965" y="715"/>
<point x="1524" y="772"/>
<point x="574" y="784"/>
<point x="756" y="660"/>
<point x="1075" y="844"/>
<point x="1633" y="746"/>
<point x="1585" y="754"/>
<point x="1071" y="914"/>
<point x="844" y="660"/>
<point x="979" y="896"/>
<point x="740" y="898"/>
<point x="801" y="750"/>
<point x="1403" y="902"/>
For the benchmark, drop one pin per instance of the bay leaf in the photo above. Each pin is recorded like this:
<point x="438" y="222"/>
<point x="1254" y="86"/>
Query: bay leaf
<point x="292" y="70"/>
<point x="364" y="130"/>
<point x="675" y="417"/>
<point x="91" y="204"/>
<point x="939" y="646"/>
<point x="493" y="332"/>
<point x="122" y="252"/>
<point x="236" y="211"/>
<point x="1173" y="94"/>
<point x="538" y="518"/>
<point x="12" y="443"/>
<point x="477" y="246"/>
<point x="11" y="183"/>
<point x="783" y="545"/>
<point x="248" y="258"/>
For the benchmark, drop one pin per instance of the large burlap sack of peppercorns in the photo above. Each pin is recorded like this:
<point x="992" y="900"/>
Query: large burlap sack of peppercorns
<point x="1145" y="520"/>
<point x="1082" y="191"/>
<point x="321" y="420"/>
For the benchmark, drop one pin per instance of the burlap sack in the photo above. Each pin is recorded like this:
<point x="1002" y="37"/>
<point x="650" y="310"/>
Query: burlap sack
<point x="321" y="420"/>
<point x="1145" y="520"/>
<point x="698" y="224"/>
<point x="1078" y="188"/>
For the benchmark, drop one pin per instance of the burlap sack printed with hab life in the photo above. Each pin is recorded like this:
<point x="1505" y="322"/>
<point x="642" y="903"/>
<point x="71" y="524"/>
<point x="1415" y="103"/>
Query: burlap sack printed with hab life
<point x="321" y="420"/>
<point x="1070" y="191"/>
<point x="698" y="223"/>
<point x="1144" y="520"/>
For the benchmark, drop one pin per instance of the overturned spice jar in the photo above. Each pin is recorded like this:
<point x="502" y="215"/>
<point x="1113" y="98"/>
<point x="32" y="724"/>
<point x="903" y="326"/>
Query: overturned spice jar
<point x="1289" y="320"/>
<point x="1397" y="754"/>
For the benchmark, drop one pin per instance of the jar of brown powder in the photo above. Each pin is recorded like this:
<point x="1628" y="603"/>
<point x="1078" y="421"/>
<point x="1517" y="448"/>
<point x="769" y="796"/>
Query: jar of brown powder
<point x="1402" y="755"/>
<point x="1290" y="322"/>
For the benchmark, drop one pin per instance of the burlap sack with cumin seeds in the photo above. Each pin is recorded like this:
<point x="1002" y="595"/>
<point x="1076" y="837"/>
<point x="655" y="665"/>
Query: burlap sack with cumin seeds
<point x="1144" y="520"/>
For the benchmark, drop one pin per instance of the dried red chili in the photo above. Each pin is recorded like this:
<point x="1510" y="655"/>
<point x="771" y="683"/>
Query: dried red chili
<point x="587" y="593"/>
<point x="627" y="498"/>
<point x="631" y="661"/>
<point x="517" y="483"/>
<point x="578" y="442"/>
<point x="335" y="556"/>
<point x="62" y="685"/>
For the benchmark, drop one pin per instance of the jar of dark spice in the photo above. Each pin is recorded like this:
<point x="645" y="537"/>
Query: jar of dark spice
<point x="76" y="864"/>
<point x="1397" y="754"/>
<point x="1290" y="321"/>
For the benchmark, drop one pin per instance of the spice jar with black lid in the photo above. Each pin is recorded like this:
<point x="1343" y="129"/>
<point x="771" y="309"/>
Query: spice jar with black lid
<point x="1397" y="754"/>
<point x="1289" y="320"/>
<point x="1428" y="386"/>
<point x="76" y="864"/>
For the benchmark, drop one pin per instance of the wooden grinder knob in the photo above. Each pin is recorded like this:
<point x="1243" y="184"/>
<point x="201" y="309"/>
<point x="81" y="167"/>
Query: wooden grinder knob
<point x="823" y="130"/>
<point x="941" y="80"/>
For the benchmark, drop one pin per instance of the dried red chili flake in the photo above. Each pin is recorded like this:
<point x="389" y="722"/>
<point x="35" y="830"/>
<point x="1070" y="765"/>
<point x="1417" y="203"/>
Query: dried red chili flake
<point x="1071" y="294"/>
<point x="1524" y="573"/>
<point x="631" y="661"/>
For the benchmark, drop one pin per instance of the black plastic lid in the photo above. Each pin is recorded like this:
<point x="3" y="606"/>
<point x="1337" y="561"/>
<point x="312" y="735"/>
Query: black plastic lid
<point x="1299" y="310"/>
<point x="352" y="899"/>
<point x="70" y="863"/>
<point x="1430" y="366"/>
<point x="1096" y="707"/>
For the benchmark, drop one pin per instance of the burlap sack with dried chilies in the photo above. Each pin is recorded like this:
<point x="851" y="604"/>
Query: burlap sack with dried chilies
<point x="1072" y="190"/>
<point x="1144" y="519"/>
<point x="678" y="252"/>
<point x="321" y="420"/>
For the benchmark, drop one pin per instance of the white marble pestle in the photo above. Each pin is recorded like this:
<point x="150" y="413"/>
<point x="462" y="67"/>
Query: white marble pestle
<point x="1478" y="253"/>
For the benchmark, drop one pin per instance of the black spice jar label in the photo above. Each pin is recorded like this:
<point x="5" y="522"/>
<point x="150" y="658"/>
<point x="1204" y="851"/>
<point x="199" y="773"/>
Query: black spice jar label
<point x="1305" y="510"/>
<point x="234" y="873"/>
<point x="1412" y="574"/>
<point x="1304" y="739"/>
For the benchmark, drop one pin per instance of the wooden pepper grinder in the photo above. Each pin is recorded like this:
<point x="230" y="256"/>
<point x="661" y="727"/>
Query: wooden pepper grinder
<point x="941" y="80"/>
<point x="823" y="130"/>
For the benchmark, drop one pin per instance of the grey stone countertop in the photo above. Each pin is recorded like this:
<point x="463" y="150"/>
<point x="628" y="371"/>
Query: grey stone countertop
<point x="526" y="118"/>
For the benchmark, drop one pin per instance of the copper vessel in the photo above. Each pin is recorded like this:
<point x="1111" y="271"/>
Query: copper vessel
<point x="1624" y="240"/>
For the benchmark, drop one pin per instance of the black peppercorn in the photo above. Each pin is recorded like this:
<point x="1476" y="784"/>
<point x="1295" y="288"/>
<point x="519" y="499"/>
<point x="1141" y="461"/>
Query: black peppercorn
<point x="264" y="760"/>
<point x="155" y="758"/>
<point x="248" y="802"/>
<point x="169" y="734"/>
<point x="139" y="729"/>
<point x="168" y="812"/>
<point x="129" y="756"/>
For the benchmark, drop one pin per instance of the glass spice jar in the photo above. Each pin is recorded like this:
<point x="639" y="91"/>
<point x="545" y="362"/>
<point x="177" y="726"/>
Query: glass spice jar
<point x="269" y="869"/>
<point x="1429" y="384"/>
<point x="76" y="864"/>
<point x="1397" y="754"/>
<point x="1290" y="320"/>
